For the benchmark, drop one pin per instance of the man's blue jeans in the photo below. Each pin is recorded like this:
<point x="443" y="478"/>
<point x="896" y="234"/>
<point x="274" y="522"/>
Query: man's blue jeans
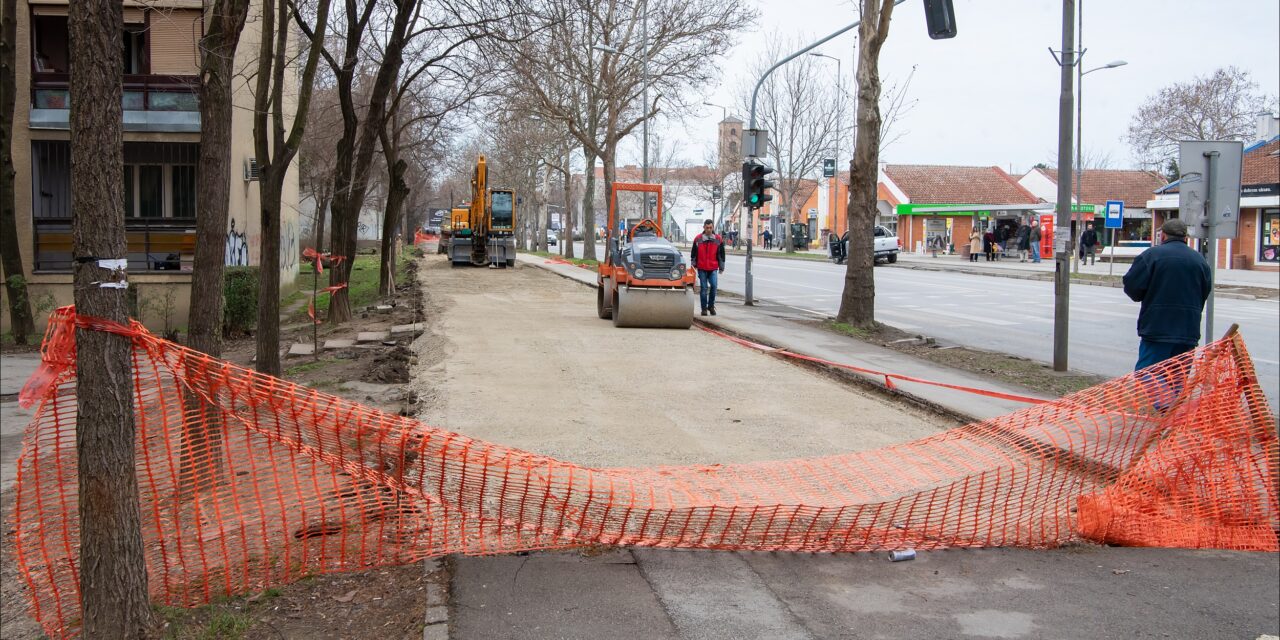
<point x="1162" y="384"/>
<point x="1035" y="251"/>
<point x="707" y="283"/>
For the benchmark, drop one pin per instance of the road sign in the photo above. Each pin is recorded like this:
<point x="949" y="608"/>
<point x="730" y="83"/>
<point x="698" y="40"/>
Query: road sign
<point x="1115" y="214"/>
<point x="1193" y="186"/>
<point x="828" y="167"/>
<point x="755" y="142"/>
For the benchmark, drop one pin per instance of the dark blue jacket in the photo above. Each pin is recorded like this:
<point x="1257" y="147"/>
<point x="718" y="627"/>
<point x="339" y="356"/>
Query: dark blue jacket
<point x="1172" y="281"/>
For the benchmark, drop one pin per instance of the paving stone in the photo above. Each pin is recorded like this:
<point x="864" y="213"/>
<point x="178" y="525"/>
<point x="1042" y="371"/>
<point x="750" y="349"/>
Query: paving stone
<point x="372" y="336"/>
<point x="339" y="344"/>
<point x="407" y="328"/>
<point x="383" y="308"/>
<point x="302" y="349"/>
<point x="437" y="614"/>
<point x="435" y="632"/>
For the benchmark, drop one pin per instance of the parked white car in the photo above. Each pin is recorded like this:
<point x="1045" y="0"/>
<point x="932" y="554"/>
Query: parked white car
<point x="886" y="247"/>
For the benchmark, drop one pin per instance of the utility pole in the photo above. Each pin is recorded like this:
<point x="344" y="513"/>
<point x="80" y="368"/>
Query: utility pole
<point x="1062" y="230"/>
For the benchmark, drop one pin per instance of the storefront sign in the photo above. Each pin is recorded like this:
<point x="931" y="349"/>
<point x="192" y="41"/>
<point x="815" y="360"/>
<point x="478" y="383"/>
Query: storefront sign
<point x="1258" y="190"/>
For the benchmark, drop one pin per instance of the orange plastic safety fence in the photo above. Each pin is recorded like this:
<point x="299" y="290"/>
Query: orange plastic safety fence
<point x="249" y="481"/>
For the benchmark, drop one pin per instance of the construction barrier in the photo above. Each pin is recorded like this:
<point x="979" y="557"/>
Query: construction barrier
<point x="422" y="237"/>
<point x="267" y="481"/>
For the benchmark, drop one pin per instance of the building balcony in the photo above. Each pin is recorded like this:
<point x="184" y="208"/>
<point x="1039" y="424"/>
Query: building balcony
<point x="152" y="103"/>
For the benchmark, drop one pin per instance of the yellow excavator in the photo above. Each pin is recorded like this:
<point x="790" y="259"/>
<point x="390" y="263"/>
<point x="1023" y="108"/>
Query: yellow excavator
<point x="487" y="237"/>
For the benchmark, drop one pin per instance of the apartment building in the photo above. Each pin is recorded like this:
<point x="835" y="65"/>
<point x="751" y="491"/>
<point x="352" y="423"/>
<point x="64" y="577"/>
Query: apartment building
<point x="161" y="147"/>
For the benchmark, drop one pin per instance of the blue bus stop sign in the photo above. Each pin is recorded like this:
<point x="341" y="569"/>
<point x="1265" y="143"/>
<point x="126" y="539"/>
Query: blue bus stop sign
<point x="1115" y="214"/>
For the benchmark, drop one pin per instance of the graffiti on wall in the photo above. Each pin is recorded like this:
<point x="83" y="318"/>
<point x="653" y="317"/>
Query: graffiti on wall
<point x="236" y="253"/>
<point x="288" y="246"/>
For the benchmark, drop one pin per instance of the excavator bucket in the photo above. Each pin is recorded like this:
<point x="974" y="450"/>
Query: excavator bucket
<point x="658" y="308"/>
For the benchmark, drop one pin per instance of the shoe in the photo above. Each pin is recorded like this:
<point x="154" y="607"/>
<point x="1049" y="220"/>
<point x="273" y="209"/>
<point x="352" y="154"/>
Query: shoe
<point x="712" y="310"/>
<point x="704" y="312"/>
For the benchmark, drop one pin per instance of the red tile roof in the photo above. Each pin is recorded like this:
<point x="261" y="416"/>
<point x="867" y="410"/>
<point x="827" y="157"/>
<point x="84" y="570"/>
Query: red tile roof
<point x="1262" y="165"/>
<point x="1132" y="187"/>
<point x="936" y="184"/>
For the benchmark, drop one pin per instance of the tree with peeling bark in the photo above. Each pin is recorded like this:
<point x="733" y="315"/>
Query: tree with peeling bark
<point x="857" y="301"/>
<point x="275" y="147"/>
<point x="15" y="280"/>
<point x="112" y="564"/>
<point x="223" y="27"/>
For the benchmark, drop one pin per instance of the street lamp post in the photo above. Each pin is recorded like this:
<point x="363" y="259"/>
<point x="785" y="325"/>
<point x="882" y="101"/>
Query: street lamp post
<point x="1080" y="138"/>
<point x="834" y="179"/>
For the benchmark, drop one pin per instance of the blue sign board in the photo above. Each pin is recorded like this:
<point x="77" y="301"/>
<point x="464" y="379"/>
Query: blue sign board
<point x="1115" y="214"/>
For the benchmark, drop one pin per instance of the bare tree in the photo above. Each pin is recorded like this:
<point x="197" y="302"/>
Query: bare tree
<point x="316" y="159"/>
<point x="597" y="95"/>
<point x="1220" y="106"/>
<point x="213" y="175"/>
<point x="800" y="108"/>
<point x="857" y="301"/>
<point x="275" y="147"/>
<point x="113" y="574"/>
<point x="10" y="252"/>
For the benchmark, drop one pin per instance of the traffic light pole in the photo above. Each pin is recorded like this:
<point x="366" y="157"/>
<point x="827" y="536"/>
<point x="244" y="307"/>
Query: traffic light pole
<point x="755" y="153"/>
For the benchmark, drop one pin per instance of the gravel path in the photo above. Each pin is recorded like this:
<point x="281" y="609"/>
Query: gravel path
<point x="518" y="357"/>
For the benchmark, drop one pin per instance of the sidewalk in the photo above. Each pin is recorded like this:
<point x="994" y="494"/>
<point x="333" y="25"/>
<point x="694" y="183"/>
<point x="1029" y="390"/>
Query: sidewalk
<point x="15" y="368"/>
<point x="1226" y="278"/>
<point x="778" y="326"/>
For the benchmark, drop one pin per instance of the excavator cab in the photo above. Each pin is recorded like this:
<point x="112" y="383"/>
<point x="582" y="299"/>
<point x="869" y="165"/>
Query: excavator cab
<point x="644" y="280"/>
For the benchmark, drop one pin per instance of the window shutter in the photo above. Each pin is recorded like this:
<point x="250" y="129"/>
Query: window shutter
<point x="174" y="35"/>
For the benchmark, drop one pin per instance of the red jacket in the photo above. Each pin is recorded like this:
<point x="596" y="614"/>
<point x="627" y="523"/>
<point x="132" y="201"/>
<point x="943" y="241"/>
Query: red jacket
<point x="708" y="252"/>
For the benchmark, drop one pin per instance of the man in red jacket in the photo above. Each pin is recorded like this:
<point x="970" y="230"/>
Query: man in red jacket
<point x="708" y="259"/>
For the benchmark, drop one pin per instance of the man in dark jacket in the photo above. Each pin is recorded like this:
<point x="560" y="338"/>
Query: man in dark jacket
<point x="708" y="258"/>
<point x="1172" y="281"/>
<point x="1024" y="241"/>
<point x="1088" y="243"/>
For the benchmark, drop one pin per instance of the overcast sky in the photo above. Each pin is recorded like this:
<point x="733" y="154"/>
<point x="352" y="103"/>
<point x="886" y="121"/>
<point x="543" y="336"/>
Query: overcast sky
<point x="990" y="95"/>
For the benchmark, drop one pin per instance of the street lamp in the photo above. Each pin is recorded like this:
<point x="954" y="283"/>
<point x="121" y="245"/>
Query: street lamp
<point x="831" y="201"/>
<point x="1080" y="145"/>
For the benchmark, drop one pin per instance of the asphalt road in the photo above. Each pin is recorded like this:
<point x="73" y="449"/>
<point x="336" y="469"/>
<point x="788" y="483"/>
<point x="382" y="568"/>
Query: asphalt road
<point x="1004" y="314"/>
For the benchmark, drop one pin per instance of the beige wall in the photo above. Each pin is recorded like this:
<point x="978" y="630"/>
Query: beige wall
<point x="49" y="290"/>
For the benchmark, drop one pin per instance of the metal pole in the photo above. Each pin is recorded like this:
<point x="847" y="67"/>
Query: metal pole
<point x="644" y="37"/>
<point x="1111" y="268"/>
<point x="755" y="94"/>
<point x="1210" y="240"/>
<point x="1062" y="232"/>
<point x="1079" y="190"/>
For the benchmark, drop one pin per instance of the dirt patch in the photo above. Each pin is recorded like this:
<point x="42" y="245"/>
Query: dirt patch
<point x="1001" y="367"/>
<point x="519" y="357"/>
<point x="381" y="604"/>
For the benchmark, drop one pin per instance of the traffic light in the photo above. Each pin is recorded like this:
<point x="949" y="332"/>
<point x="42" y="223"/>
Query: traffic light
<point x="940" y="17"/>
<point x="755" y="189"/>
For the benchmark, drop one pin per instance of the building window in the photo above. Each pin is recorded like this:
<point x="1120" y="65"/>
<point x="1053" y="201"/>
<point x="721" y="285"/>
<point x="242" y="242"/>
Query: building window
<point x="159" y="204"/>
<point x="1269" y="239"/>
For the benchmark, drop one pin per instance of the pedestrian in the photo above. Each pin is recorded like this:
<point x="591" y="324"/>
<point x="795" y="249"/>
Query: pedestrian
<point x="1034" y="238"/>
<point x="1024" y="241"/>
<point x="935" y="243"/>
<point x="975" y="245"/>
<point x="768" y="239"/>
<point x="1172" y="282"/>
<point x="708" y="258"/>
<point x="1088" y="243"/>
<point x="989" y="245"/>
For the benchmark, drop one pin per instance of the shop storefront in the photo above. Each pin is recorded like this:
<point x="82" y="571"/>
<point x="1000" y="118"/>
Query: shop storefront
<point x="949" y="225"/>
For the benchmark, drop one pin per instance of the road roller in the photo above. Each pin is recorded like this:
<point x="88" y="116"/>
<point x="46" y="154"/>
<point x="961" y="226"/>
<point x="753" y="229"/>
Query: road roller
<point x="644" y="280"/>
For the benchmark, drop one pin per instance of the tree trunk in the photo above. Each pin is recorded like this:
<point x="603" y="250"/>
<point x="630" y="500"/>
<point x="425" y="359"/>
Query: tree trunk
<point x="567" y="224"/>
<point x="213" y="175"/>
<point x="322" y="206"/>
<point x="113" y="574"/>
<point x="15" y="282"/>
<point x="270" y="186"/>
<point x="390" y="226"/>
<point x="589" y="207"/>
<point x="857" y="302"/>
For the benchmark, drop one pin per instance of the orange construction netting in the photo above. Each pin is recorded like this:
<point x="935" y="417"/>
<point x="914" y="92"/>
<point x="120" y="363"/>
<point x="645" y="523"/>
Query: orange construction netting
<point x="249" y="481"/>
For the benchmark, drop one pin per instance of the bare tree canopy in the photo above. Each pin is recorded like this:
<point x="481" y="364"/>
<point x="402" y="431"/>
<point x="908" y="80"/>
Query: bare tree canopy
<point x="1220" y="106"/>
